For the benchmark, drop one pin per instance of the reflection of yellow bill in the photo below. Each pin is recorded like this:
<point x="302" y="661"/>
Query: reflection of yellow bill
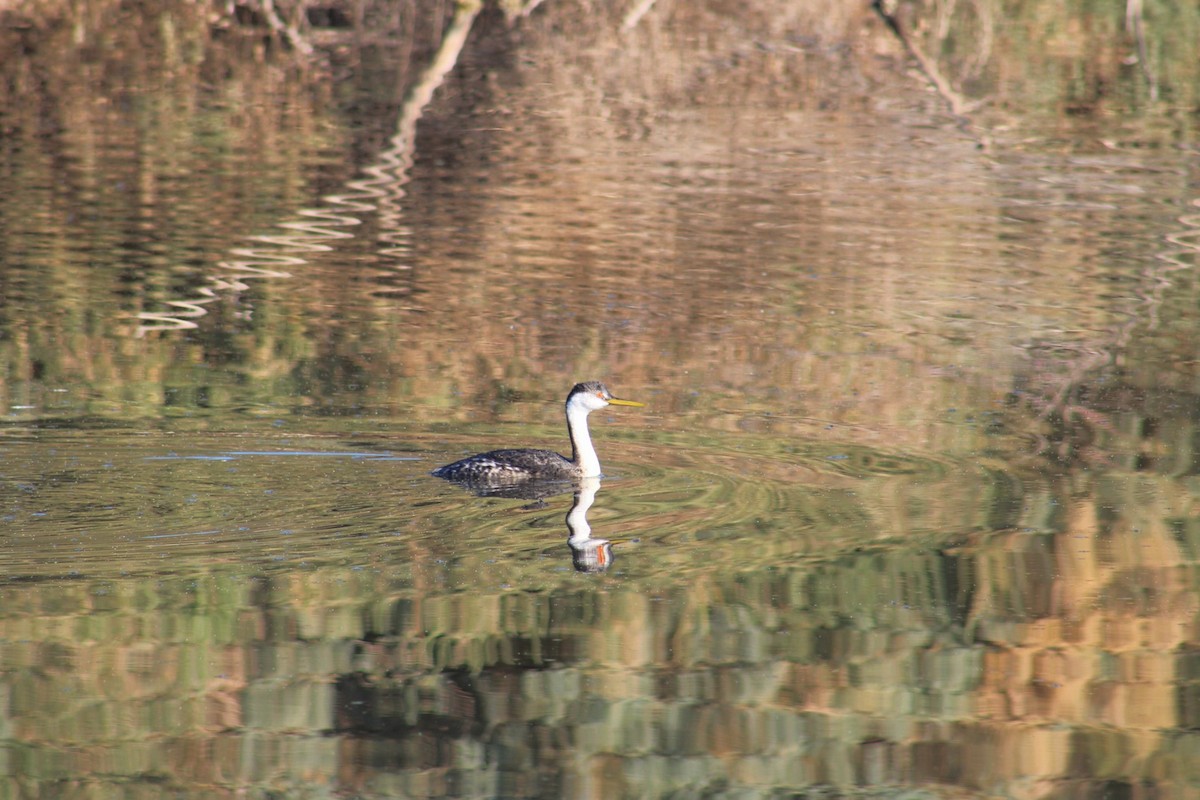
<point x="618" y="402"/>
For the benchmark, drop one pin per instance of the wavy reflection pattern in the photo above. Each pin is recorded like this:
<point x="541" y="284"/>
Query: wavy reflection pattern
<point x="1067" y="398"/>
<point x="382" y="191"/>
<point x="805" y="637"/>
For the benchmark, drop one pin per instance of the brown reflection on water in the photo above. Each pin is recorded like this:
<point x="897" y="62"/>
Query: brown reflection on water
<point x="319" y="229"/>
<point x="857" y="553"/>
<point x="585" y="220"/>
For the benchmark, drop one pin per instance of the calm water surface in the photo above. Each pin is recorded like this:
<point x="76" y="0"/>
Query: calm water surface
<point x="912" y="509"/>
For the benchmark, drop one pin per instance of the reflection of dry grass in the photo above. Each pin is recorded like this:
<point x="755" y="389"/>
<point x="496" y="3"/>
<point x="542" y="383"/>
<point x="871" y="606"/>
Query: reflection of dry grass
<point x="1053" y="643"/>
<point x="655" y="299"/>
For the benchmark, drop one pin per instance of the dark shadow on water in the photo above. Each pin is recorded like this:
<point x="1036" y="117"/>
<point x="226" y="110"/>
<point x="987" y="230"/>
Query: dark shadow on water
<point x="525" y="490"/>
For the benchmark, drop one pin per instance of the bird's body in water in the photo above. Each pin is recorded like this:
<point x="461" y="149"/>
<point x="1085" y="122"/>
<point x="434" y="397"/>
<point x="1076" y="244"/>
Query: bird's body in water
<point x="516" y="466"/>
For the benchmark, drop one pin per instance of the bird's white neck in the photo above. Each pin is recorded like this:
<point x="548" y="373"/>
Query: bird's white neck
<point x="582" y="452"/>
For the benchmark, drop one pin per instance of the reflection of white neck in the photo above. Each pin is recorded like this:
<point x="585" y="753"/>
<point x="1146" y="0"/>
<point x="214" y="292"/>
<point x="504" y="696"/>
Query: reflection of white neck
<point x="577" y="522"/>
<point x="582" y="452"/>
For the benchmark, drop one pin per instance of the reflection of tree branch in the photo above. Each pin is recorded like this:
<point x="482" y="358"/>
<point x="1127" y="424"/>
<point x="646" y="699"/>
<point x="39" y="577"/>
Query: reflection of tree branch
<point x="636" y="13"/>
<point x="958" y="105"/>
<point x="444" y="60"/>
<point x="527" y="7"/>
<point x="382" y="191"/>
<point x="390" y="174"/>
<point x="1134" y="24"/>
<point x="285" y="31"/>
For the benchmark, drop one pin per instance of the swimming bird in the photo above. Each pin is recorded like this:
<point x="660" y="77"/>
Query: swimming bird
<point x="523" y="465"/>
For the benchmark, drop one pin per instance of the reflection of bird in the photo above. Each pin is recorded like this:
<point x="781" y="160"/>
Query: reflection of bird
<point x="587" y="554"/>
<point x="508" y="467"/>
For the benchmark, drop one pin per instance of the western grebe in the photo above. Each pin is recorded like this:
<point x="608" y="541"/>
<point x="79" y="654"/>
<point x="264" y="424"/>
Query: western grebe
<point x="508" y="467"/>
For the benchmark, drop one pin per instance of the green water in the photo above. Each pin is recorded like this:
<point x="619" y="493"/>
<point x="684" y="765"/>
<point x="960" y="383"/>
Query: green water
<point x="911" y="511"/>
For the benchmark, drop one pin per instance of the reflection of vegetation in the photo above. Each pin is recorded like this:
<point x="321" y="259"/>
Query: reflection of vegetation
<point x="199" y="108"/>
<point x="1068" y="68"/>
<point x="1071" y="74"/>
<point x="401" y="661"/>
<point x="831" y="576"/>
